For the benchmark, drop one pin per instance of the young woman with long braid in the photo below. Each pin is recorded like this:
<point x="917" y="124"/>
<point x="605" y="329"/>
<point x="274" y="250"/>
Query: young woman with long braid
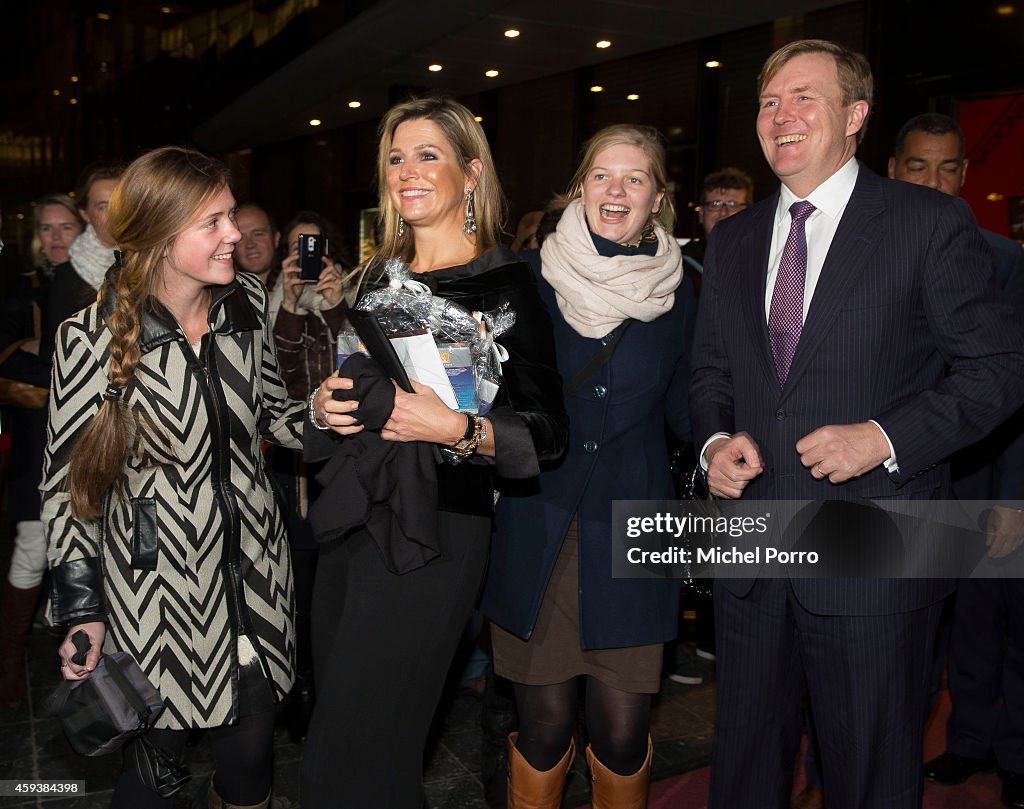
<point x="165" y="539"/>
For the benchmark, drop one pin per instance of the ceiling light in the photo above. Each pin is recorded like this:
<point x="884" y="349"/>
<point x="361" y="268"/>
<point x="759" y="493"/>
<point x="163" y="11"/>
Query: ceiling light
<point x="492" y="73"/>
<point x="478" y="118"/>
<point x="314" y="122"/>
<point x="512" y="33"/>
<point x="165" y="9"/>
<point x="435" y="68"/>
<point x="103" y="16"/>
<point x="597" y="88"/>
<point x="995" y="196"/>
<point x="74" y="78"/>
<point x="73" y="101"/>
<point x="603" y="43"/>
<point x="632" y="97"/>
<point x="1005" y="10"/>
<point x="713" y="63"/>
<point x="56" y="92"/>
<point x="355" y="104"/>
<point x="20" y="216"/>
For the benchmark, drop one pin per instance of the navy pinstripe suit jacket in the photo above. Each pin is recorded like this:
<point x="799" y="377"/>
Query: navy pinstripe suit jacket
<point x="904" y="328"/>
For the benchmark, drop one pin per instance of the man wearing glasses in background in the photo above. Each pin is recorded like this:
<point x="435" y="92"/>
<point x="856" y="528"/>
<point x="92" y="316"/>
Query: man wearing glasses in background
<point x="726" y="192"/>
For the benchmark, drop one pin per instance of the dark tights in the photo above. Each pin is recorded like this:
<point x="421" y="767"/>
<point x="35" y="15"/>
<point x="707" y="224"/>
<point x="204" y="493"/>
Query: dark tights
<point x="242" y="753"/>
<point x="617" y="722"/>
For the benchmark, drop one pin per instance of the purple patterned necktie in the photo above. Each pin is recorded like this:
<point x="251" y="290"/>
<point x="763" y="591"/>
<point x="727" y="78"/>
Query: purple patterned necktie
<point x="786" y="315"/>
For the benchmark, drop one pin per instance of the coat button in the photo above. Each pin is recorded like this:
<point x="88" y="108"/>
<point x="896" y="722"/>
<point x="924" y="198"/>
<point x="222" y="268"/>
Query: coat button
<point x="600" y="391"/>
<point x="590" y="446"/>
<point x="780" y="414"/>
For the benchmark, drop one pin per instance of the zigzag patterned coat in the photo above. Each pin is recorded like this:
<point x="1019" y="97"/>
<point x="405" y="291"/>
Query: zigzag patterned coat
<point x="190" y="551"/>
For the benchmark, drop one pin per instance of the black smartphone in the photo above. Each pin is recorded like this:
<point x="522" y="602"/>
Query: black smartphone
<point x="377" y="343"/>
<point x="312" y="247"/>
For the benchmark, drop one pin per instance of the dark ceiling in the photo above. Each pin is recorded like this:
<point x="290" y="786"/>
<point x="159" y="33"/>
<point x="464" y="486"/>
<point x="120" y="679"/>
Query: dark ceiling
<point x="389" y="46"/>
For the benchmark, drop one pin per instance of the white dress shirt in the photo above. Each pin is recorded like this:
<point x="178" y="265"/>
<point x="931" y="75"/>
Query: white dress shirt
<point x="829" y="200"/>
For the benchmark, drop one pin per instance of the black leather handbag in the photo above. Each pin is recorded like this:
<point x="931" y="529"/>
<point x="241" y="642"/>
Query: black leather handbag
<point x="111" y="706"/>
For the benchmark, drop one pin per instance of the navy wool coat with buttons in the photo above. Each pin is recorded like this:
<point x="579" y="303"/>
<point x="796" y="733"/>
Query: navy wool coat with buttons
<point x="616" y="451"/>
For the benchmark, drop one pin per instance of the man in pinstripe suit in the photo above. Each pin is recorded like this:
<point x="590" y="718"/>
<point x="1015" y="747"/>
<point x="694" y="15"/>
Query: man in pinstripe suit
<point x="847" y="343"/>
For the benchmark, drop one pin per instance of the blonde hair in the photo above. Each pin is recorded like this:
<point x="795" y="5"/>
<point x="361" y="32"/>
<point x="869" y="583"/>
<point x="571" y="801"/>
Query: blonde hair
<point x="852" y="70"/>
<point x="38" y="257"/>
<point x="157" y="197"/>
<point x="467" y="139"/>
<point x="646" y="138"/>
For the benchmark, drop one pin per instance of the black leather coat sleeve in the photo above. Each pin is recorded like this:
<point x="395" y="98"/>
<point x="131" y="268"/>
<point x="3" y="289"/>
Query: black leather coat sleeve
<point x="529" y="418"/>
<point x="77" y="591"/>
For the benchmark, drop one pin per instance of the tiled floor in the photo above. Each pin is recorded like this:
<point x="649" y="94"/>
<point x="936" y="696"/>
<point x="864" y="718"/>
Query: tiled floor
<point x="32" y="747"/>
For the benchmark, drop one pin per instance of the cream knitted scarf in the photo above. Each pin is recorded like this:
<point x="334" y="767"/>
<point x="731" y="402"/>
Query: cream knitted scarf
<point x="90" y="259"/>
<point x="596" y="293"/>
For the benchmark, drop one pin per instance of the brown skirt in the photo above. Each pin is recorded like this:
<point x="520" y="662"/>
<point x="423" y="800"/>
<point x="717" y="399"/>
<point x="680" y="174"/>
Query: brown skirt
<point x="553" y="653"/>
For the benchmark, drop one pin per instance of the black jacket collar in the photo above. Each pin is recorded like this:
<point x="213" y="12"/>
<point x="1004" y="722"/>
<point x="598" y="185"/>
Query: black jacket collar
<point x="230" y="312"/>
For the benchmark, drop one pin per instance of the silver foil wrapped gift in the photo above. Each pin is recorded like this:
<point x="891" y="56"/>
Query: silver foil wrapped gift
<point x="465" y="341"/>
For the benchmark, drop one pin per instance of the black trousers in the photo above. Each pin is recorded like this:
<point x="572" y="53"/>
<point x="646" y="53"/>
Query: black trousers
<point x="382" y="646"/>
<point x="867" y="680"/>
<point x="986" y="672"/>
<point x="243" y="753"/>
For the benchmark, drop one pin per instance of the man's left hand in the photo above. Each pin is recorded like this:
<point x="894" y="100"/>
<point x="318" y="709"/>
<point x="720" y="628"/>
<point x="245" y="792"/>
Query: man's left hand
<point x="841" y="452"/>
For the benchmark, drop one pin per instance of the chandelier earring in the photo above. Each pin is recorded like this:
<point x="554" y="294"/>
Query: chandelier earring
<point x="401" y="227"/>
<point x="470" y="224"/>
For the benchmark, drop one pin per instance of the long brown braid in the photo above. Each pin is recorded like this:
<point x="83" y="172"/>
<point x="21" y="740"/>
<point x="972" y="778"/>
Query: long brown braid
<point x="157" y="197"/>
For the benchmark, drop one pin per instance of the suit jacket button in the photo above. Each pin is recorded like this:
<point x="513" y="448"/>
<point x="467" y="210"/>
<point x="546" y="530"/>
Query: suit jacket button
<point x="590" y="446"/>
<point x="600" y="391"/>
<point x="780" y="414"/>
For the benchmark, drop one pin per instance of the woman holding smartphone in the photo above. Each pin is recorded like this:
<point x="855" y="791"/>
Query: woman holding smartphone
<point x="308" y="311"/>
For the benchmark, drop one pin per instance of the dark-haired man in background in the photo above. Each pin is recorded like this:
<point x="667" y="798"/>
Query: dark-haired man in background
<point x="725" y="192"/>
<point x="986" y="647"/>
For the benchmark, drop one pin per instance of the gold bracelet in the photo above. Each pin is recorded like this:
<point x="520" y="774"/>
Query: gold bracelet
<point x="465" y="447"/>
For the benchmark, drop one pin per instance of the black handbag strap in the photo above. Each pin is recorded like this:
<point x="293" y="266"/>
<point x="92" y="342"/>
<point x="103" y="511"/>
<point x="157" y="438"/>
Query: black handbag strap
<point x="596" y="362"/>
<point x="58" y="699"/>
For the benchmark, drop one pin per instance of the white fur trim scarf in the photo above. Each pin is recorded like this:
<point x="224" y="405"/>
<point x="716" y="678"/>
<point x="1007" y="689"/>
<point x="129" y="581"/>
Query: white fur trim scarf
<point x="596" y="293"/>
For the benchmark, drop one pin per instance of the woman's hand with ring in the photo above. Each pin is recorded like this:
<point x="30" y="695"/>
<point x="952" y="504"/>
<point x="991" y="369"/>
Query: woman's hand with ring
<point x="335" y="413"/>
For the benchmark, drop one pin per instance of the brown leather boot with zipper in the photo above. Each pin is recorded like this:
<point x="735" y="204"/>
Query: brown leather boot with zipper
<point x="610" y="790"/>
<point x="536" y="789"/>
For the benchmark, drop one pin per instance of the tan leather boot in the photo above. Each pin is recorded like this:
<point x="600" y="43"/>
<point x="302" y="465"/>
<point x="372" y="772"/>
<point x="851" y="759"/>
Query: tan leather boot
<point x="610" y="790"/>
<point x="216" y="802"/>
<point x="533" y="789"/>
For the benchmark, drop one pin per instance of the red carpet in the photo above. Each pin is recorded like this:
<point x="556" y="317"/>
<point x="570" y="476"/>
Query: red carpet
<point x="690" y="790"/>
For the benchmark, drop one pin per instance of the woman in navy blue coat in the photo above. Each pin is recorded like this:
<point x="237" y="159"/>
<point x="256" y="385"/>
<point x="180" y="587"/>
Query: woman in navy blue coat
<point x="611" y="273"/>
